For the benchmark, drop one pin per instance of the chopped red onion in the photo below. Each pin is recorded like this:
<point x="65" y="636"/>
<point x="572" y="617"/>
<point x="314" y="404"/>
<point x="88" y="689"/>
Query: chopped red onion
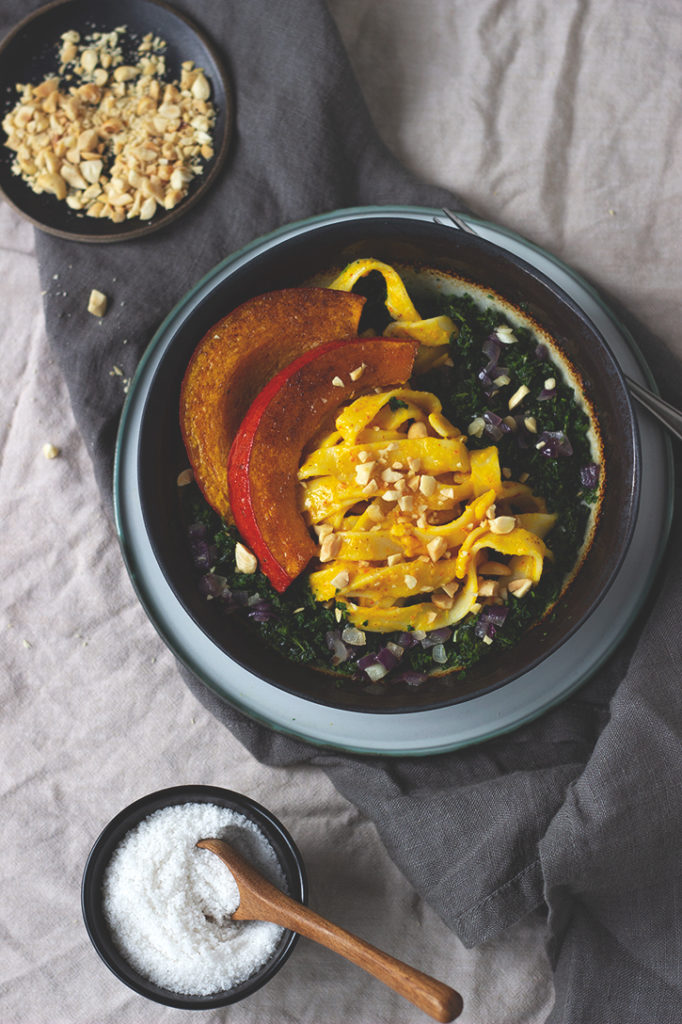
<point x="337" y="647"/>
<point x="387" y="658"/>
<point x="553" y="444"/>
<point x="495" y="427"/>
<point x="491" y="618"/>
<point x="211" y="586"/>
<point x="261" y="611"/>
<point x="484" y="628"/>
<point x="354" y="636"/>
<point x="202" y="553"/>
<point x="488" y="385"/>
<point x="436" y="636"/>
<point x="412" y="678"/>
<point x="492" y="347"/>
<point x="197" y="531"/>
<point x="589" y="475"/>
<point x="376" y="671"/>
<point x="495" y="613"/>
<point x="547" y="393"/>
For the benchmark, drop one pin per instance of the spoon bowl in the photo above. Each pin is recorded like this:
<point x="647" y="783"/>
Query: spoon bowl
<point x="259" y="900"/>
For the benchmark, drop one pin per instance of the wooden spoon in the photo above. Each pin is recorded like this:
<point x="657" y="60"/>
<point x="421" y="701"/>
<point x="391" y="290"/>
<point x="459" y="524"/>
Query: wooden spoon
<point x="261" y="901"/>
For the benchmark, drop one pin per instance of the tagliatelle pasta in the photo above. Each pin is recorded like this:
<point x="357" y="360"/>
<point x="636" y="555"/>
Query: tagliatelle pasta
<point x="433" y="333"/>
<point x="416" y="531"/>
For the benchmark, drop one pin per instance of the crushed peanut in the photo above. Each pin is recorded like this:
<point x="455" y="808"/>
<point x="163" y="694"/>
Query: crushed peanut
<point x="494" y="569"/>
<point x="476" y="427"/>
<point x="519" y="587"/>
<point x="417" y="429"/>
<point x="245" y="559"/>
<point x="502" y="524"/>
<point x="330" y="547"/>
<point x="488" y="588"/>
<point x="436" y="548"/>
<point x="97" y="303"/>
<point x="113" y="140"/>
<point x="185" y="478"/>
<point x="363" y="472"/>
<point x="427" y="485"/>
<point x="518" y="396"/>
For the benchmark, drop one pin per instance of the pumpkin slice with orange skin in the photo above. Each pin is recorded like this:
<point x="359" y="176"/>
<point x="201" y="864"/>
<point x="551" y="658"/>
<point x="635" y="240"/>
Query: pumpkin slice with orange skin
<point x="237" y="357"/>
<point x="266" y="453"/>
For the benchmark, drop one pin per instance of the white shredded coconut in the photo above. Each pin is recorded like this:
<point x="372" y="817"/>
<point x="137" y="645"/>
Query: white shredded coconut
<point x="168" y="904"/>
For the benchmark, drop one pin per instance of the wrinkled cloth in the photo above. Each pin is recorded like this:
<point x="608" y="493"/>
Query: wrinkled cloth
<point x="576" y="815"/>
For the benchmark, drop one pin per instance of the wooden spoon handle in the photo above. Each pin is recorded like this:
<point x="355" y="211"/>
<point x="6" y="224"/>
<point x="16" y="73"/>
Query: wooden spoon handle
<point x="431" y="996"/>
<point x="262" y="901"/>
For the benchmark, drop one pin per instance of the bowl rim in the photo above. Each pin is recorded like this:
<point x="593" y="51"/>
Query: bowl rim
<point x="126" y="819"/>
<point x="326" y="698"/>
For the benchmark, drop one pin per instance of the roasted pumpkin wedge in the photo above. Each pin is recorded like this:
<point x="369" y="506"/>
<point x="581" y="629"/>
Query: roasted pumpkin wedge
<point x="267" y="450"/>
<point x="237" y="357"/>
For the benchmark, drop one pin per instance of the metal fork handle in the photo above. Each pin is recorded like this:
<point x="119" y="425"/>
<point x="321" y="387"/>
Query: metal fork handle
<point x="664" y="412"/>
<point x="458" y="221"/>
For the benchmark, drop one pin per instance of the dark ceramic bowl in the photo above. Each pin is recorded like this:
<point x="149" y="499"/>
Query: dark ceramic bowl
<point x="91" y="891"/>
<point x="417" y="243"/>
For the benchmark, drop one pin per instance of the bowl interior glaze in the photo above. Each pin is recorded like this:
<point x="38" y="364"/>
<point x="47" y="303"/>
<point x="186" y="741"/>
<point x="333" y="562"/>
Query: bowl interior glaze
<point x="289" y="263"/>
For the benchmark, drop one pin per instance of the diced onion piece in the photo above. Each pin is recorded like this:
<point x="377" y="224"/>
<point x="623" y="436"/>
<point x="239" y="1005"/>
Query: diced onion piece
<point x="354" y="637"/>
<point x="438" y="654"/>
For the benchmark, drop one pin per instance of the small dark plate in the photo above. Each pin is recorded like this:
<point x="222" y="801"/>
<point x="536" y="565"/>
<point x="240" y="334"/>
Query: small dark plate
<point x="111" y="837"/>
<point x="29" y="54"/>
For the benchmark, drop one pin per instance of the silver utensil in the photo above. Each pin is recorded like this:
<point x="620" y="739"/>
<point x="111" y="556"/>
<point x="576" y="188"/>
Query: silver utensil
<point x="665" y="413"/>
<point x="457" y="221"/>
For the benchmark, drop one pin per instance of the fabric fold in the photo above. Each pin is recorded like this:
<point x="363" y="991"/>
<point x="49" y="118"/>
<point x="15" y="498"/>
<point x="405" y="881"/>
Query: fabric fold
<point x="576" y="812"/>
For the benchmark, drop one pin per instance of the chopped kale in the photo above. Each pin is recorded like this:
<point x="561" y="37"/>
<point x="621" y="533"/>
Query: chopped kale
<point x="397" y="403"/>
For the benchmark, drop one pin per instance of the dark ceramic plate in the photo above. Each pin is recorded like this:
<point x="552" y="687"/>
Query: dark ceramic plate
<point x="292" y="261"/>
<point x="91" y="890"/>
<point x="29" y="53"/>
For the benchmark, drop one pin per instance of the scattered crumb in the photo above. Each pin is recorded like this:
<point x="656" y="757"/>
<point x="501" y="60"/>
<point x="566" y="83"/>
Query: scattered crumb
<point x="97" y="303"/>
<point x="50" y="451"/>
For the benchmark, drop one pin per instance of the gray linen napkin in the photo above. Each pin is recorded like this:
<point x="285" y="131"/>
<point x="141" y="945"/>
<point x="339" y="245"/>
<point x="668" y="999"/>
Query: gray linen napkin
<point x="576" y="815"/>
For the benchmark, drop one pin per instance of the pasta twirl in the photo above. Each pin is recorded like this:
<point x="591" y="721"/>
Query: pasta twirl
<point x="413" y="519"/>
